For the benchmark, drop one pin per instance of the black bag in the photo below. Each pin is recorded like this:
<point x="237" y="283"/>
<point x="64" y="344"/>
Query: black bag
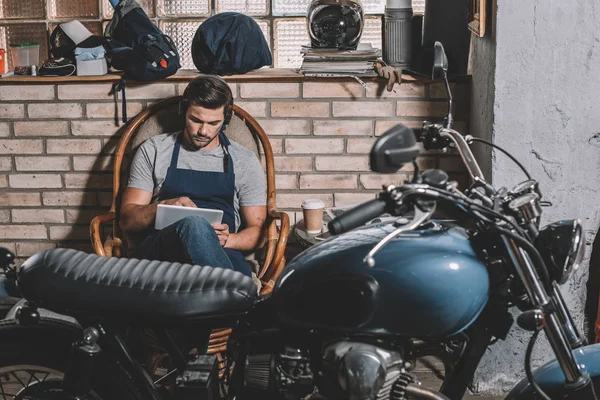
<point x="230" y="43"/>
<point x="137" y="47"/>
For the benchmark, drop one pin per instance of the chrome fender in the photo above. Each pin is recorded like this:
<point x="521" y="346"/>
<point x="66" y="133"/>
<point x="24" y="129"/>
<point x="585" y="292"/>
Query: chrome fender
<point x="551" y="378"/>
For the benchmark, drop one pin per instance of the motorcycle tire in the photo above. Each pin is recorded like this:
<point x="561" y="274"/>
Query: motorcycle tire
<point x="44" y="348"/>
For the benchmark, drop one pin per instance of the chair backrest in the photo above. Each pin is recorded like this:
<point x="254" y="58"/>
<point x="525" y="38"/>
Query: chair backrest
<point x="164" y="117"/>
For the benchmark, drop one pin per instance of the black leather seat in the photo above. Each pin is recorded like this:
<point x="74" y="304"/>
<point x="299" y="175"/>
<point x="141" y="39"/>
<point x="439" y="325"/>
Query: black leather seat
<point x="77" y="283"/>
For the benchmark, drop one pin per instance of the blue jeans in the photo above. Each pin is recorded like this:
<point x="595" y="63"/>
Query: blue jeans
<point x="190" y="240"/>
<point x="3" y="292"/>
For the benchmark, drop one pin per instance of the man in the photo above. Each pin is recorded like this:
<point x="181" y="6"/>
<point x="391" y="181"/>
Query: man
<point x="198" y="167"/>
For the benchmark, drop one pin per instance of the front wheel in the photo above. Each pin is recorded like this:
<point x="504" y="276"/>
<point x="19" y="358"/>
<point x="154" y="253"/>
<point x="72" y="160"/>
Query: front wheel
<point x="33" y="360"/>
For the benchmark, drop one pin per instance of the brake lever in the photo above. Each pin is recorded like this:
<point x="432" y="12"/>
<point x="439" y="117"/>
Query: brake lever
<point x="418" y="219"/>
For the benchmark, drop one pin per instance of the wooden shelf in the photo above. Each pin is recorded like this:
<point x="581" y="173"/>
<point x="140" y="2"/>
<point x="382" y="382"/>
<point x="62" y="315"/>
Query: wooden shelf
<point x="261" y="75"/>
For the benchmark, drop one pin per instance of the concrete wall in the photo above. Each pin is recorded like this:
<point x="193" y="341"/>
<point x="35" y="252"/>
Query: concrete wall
<point x="546" y="112"/>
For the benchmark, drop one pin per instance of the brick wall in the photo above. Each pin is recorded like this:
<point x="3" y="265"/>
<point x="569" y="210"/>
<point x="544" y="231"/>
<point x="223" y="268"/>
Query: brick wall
<point x="56" y="145"/>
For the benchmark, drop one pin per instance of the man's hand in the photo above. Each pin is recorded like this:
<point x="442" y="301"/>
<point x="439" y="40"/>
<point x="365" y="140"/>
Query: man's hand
<point x="181" y="201"/>
<point x="222" y="231"/>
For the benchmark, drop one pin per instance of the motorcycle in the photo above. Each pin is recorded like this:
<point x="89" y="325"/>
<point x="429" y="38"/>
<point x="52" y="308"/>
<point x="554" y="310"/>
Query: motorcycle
<point x="348" y="317"/>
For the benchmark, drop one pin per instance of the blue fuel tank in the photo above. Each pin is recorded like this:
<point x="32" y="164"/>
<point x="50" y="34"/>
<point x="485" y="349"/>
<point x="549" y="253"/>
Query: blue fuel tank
<point x="426" y="283"/>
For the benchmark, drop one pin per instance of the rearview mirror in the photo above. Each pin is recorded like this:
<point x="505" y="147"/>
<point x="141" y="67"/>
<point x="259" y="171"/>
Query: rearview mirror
<point x="395" y="148"/>
<point x="440" y="61"/>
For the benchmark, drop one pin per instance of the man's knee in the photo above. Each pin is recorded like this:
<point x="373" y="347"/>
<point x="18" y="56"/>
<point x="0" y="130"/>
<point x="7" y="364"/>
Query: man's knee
<point x="195" y="226"/>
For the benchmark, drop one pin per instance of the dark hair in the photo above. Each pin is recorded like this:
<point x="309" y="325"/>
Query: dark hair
<point x="208" y="91"/>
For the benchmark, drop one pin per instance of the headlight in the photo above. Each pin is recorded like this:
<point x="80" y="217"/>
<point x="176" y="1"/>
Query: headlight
<point x="562" y="245"/>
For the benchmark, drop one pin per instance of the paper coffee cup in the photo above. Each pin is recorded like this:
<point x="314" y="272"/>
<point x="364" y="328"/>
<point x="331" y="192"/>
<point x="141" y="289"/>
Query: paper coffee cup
<point x="313" y="215"/>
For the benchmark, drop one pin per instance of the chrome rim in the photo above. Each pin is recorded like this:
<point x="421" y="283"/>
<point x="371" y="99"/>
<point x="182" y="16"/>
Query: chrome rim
<point x="33" y="382"/>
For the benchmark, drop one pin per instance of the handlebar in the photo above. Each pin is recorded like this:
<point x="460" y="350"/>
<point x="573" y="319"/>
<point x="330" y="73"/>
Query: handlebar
<point x="358" y="216"/>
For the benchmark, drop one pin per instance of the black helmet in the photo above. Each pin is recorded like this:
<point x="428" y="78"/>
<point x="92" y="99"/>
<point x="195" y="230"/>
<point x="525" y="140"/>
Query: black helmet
<point x="335" y="23"/>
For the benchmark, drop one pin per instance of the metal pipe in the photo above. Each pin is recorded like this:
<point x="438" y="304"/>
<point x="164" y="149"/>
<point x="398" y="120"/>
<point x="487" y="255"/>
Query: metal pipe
<point x="424" y="393"/>
<point x="576" y="340"/>
<point x="465" y="152"/>
<point x="539" y="298"/>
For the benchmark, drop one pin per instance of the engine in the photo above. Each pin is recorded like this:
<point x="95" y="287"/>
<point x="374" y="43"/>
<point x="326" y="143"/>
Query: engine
<point x="347" y="370"/>
<point x="288" y="372"/>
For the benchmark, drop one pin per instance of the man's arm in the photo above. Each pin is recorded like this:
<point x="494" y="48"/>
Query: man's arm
<point x="138" y="214"/>
<point x="251" y="237"/>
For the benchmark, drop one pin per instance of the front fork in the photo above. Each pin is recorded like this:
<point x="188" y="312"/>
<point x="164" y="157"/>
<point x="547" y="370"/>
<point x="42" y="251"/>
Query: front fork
<point x="557" y="323"/>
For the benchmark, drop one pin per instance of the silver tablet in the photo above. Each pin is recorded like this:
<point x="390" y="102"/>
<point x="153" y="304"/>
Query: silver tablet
<point x="167" y="215"/>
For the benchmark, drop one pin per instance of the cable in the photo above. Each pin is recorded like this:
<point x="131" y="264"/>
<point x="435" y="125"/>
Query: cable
<point x="474" y="139"/>
<point x="528" y="371"/>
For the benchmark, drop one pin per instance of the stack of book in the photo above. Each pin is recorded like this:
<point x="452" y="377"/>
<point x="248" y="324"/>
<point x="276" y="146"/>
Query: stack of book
<point x="333" y="62"/>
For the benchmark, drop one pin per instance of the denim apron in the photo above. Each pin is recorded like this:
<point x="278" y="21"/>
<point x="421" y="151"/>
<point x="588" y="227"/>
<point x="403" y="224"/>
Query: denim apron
<point x="207" y="189"/>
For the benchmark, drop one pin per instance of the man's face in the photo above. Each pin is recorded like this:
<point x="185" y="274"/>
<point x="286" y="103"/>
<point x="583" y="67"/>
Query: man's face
<point x="202" y="126"/>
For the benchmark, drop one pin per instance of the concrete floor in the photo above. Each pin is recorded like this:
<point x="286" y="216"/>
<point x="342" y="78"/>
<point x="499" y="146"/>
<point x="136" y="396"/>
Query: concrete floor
<point x="428" y="374"/>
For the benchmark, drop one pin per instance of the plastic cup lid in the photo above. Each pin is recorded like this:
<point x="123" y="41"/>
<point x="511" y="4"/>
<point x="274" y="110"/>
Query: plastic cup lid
<point x="23" y="44"/>
<point x="312" y="204"/>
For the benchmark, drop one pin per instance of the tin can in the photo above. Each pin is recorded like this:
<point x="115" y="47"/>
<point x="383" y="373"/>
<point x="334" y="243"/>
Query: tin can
<point x="2" y="61"/>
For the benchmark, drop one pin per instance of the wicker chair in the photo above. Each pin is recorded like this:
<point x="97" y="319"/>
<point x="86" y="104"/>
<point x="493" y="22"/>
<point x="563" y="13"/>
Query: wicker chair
<point x="163" y="117"/>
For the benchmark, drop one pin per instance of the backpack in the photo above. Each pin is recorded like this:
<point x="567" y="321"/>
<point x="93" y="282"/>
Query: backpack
<point x="137" y="47"/>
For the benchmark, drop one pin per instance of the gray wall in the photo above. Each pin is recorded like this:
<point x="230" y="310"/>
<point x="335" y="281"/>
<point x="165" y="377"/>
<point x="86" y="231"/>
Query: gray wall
<point x="546" y="112"/>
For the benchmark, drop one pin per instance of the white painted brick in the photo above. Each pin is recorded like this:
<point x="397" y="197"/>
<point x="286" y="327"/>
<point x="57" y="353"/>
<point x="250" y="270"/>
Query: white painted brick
<point x="376" y="181"/>
<point x="42" y="128"/>
<point x="3" y="181"/>
<point x="334" y="127"/>
<point x="12" y="111"/>
<point x="105" y="199"/>
<point x="94" y="128"/>
<point x="38" y="215"/>
<point x="350" y="199"/>
<point x="360" y="145"/>
<point x="438" y="90"/>
<point x="69" y="232"/>
<point x="452" y="164"/>
<point x="4" y="128"/>
<point x="4" y="217"/>
<point x="314" y="146"/>
<point x="350" y="90"/>
<point x="330" y="181"/>
<point x="32" y="181"/>
<point x="94" y="181"/>
<point x="73" y="146"/>
<point x="20" y="199"/>
<point x="55" y="110"/>
<point x="283" y="182"/>
<point x="293" y="164"/>
<point x="29" y="249"/>
<point x="363" y="109"/>
<point x="276" y="146"/>
<point x="269" y="90"/>
<point x="152" y="91"/>
<point x="255" y="108"/>
<point x="5" y="164"/>
<point x="299" y="109"/>
<point x="22" y="232"/>
<point x="82" y="217"/>
<point x="404" y="90"/>
<point x="422" y="109"/>
<point x="276" y="127"/>
<point x="86" y="92"/>
<point x="45" y="163"/>
<point x="383" y="126"/>
<point x="26" y="92"/>
<point x="338" y="163"/>
<point x="69" y="198"/>
<point x="20" y="146"/>
<point x="294" y="200"/>
<point x="10" y="246"/>
<point x="85" y="163"/>
<point x="108" y="110"/>
<point x="232" y="86"/>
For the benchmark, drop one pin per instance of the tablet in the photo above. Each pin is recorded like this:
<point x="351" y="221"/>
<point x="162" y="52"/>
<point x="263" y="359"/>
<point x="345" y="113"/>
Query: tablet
<point x="167" y="215"/>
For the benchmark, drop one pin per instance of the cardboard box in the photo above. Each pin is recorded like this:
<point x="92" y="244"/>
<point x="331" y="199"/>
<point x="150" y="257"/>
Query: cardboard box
<point x="92" y="67"/>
